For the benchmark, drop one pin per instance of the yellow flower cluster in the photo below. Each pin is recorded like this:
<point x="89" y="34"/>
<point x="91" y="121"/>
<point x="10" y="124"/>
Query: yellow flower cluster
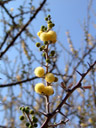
<point x="47" y="36"/>
<point x="42" y="89"/>
<point x="39" y="72"/>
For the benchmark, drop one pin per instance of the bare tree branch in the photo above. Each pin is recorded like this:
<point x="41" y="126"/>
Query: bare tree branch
<point x="16" y="83"/>
<point x="78" y="85"/>
<point x="24" y="27"/>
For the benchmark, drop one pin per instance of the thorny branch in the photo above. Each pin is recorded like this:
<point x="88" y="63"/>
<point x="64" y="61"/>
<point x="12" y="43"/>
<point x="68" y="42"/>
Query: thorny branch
<point x="78" y="85"/>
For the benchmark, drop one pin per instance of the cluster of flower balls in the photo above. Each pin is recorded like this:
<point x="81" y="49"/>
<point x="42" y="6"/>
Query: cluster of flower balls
<point x="46" y="34"/>
<point x="49" y="77"/>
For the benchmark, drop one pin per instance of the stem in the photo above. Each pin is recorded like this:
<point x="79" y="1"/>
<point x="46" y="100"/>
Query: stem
<point x="29" y="119"/>
<point x="47" y="104"/>
<point x="47" y="97"/>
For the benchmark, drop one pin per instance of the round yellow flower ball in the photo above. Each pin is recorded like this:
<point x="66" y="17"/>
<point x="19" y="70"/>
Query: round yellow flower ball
<point x="49" y="77"/>
<point x="39" y="71"/>
<point x="39" y="88"/>
<point x="39" y="33"/>
<point x="52" y="36"/>
<point x="44" y="36"/>
<point x="48" y="90"/>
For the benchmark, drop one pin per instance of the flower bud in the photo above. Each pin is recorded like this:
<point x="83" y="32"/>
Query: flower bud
<point x="27" y="124"/>
<point x="49" y="16"/>
<point x="45" y="42"/>
<point x="47" y="60"/>
<point x="40" y="49"/>
<point x="35" y="125"/>
<point x="31" y="112"/>
<point x="27" y="110"/>
<point x="42" y="28"/>
<point x="52" y="53"/>
<point x="21" y="117"/>
<point x="34" y="119"/>
<point x="56" y="79"/>
<point x="37" y="44"/>
<point x="50" y="25"/>
<point x="46" y="18"/>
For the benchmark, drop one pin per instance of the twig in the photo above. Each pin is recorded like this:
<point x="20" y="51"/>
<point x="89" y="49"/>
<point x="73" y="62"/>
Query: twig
<point x="16" y="83"/>
<point x="61" y="122"/>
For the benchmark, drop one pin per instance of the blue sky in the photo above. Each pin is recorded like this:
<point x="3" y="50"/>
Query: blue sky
<point x="70" y="15"/>
<point x="67" y="15"/>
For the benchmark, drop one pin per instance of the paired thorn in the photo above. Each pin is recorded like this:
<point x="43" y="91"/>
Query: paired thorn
<point x="68" y="104"/>
<point x="88" y="64"/>
<point x="82" y="88"/>
<point x="63" y="115"/>
<point x="81" y="74"/>
<point x="67" y="89"/>
<point x="58" y="111"/>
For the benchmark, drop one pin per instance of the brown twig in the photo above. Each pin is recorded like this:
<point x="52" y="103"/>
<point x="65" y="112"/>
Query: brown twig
<point x="16" y="83"/>
<point x="47" y="67"/>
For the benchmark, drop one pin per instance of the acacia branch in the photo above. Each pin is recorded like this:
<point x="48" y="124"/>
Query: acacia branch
<point x="78" y="85"/>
